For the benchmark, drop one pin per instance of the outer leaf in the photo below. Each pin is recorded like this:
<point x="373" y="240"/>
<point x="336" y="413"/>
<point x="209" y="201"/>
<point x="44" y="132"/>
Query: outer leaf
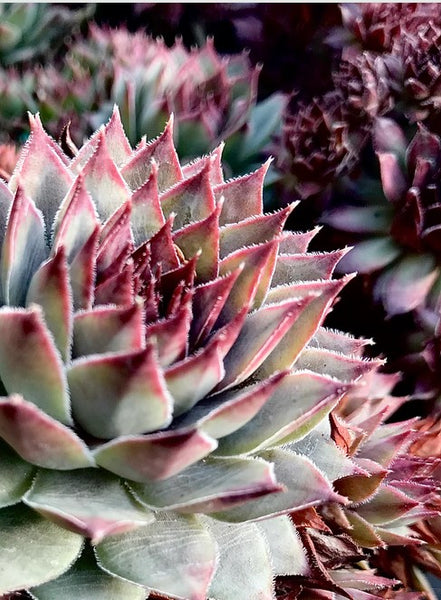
<point x="39" y="373"/>
<point x="288" y="556"/>
<point x="137" y="170"/>
<point x="305" y="486"/>
<point x="155" y="456"/>
<point x="50" y="289"/>
<point x="335" y="364"/>
<point x="42" y="172"/>
<point x="241" y="546"/>
<point x="306" y="267"/>
<point x="84" y="581"/>
<point x="90" y="502"/>
<point x="33" y="550"/>
<point x="361" y="219"/>
<point x="39" y="439"/>
<point x="210" y="485"/>
<point x="386" y="506"/>
<point x="147" y="216"/>
<point x="103" y="180"/>
<point x="108" y="329"/>
<point x="82" y="273"/>
<point x="15" y="476"/>
<point x="370" y="255"/>
<point x="6" y="199"/>
<point x="23" y="250"/>
<point x="261" y="333"/>
<point x="119" y="394"/>
<point x="148" y="556"/>
<point x="295" y="397"/>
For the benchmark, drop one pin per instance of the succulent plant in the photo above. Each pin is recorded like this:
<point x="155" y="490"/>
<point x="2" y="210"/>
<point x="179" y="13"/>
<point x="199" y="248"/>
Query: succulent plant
<point x="212" y="97"/>
<point x="165" y="376"/>
<point x="32" y="31"/>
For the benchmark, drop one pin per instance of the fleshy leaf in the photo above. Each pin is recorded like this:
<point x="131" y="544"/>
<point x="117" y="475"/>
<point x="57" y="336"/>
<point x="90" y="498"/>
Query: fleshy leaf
<point x="254" y="230"/>
<point x="226" y="412"/>
<point x="262" y="331"/>
<point x="137" y="170"/>
<point x="406" y="285"/>
<point x="75" y="500"/>
<point x="193" y="378"/>
<point x="23" y="250"/>
<point x="154" y="456"/>
<point x="76" y="220"/>
<point x="39" y="439"/>
<point x="210" y="485"/>
<point x="119" y="393"/>
<point x="16" y="476"/>
<point x="288" y="556"/>
<point x="249" y="189"/>
<point x="171" y="335"/>
<point x="39" y="373"/>
<point x="103" y="180"/>
<point x="50" y="289"/>
<point x="305" y="267"/>
<point x="293" y="242"/>
<point x="85" y="580"/>
<point x="6" y="199"/>
<point x="392" y="177"/>
<point x="370" y="255"/>
<point x="117" y="142"/>
<point x="115" y="243"/>
<point x="190" y="200"/>
<point x="305" y="486"/>
<point x="344" y="368"/>
<point x="82" y="273"/>
<point x="42" y="172"/>
<point x="33" y="550"/>
<point x="294" y="398"/>
<point x="239" y="547"/>
<point x="147" y="216"/>
<point x="108" y="329"/>
<point x="148" y="556"/>
<point x="387" y="505"/>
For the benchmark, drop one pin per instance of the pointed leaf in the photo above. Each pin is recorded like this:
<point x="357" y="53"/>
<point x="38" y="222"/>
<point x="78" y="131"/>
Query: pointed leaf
<point x="148" y="556"/>
<point x="292" y="242"/>
<point x="226" y="412"/>
<point x="6" y="199"/>
<point x="82" y="273"/>
<point x="147" y="215"/>
<point x="85" y="580"/>
<point x="190" y="200"/>
<point x="203" y="238"/>
<point x="215" y="161"/>
<point x="360" y="219"/>
<point x="370" y="255"/>
<point x="210" y="485"/>
<point x="294" y="398"/>
<point x="305" y="486"/>
<point x="155" y="456"/>
<point x="16" y="476"/>
<point x="260" y="334"/>
<point x="305" y="267"/>
<point x="254" y="230"/>
<point x="163" y="251"/>
<point x="137" y="170"/>
<point x="108" y="329"/>
<point x="33" y="550"/>
<point x="193" y="378"/>
<point x="171" y="335"/>
<point x="239" y="547"/>
<point x="386" y="506"/>
<point x="104" y="182"/>
<point x="118" y="289"/>
<point x="50" y="289"/>
<point x="74" y="500"/>
<point x="42" y="172"/>
<point x="243" y="196"/>
<point x="30" y="363"/>
<point x="257" y="263"/>
<point x="23" y="250"/>
<point x="362" y="532"/>
<point x="337" y="365"/>
<point x="76" y="220"/>
<point x="39" y="439"/>
<point x="115" y="243"/>
<point x="117" y="142"/>
<point x="119" y="394"/>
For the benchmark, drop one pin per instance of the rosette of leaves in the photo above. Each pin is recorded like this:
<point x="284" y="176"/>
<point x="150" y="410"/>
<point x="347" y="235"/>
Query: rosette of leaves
<point x="31" y="31"/>
<point x="212" y="97"/>
<point x="316" y="147"/>
<point x="165" y="376"/>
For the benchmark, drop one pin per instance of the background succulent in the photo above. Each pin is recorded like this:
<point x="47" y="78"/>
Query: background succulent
<point x="165" y="374"/>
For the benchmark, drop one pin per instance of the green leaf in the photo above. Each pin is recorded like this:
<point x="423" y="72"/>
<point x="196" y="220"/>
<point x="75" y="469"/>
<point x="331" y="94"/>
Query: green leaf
<point x="209" y="485"/>
<point x="15" y="476"/>
<point x="244" y="569"/>
<point x="91" y="502"/>
<point x="175" y="555"/>
<point x="370" y="255"/>
<point x="33" y="550"/>
<point x="288" y="557"/>
<point x="86" y="581"/>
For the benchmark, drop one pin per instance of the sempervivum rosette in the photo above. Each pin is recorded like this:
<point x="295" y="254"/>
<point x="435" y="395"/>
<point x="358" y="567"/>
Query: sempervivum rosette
<point x="161" y="361"/>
